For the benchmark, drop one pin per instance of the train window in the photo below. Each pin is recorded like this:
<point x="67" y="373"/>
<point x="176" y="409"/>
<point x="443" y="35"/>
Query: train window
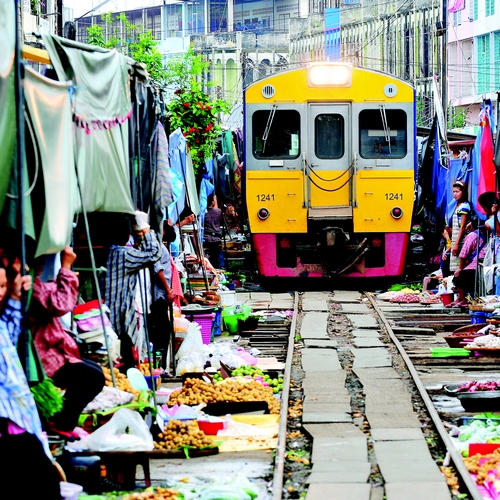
<point x="329" y="136"/>
<point x="276" y="133"/>
<point x="382" y="133"/>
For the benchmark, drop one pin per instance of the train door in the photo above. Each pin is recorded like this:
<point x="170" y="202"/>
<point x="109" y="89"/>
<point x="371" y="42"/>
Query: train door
<point x="328" y="163"/>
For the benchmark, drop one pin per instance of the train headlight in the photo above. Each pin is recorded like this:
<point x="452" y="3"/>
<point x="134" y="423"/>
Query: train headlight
<point x="263" y="213"/>
<point x="397" y="212"/>
<point x="329" y="74"/>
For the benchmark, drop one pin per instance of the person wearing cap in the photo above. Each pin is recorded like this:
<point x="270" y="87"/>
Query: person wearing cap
<point x="457" y="221"/>
<point x="122" y="280"/>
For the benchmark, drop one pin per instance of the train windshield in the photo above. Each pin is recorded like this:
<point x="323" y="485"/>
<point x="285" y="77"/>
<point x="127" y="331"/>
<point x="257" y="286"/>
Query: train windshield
<point x="382" y="133"/>
<point x="276" y="133"/>
<point x="329" y="136"/>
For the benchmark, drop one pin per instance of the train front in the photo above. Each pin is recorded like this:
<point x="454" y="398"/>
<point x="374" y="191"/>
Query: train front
<point x="330" y="163"/>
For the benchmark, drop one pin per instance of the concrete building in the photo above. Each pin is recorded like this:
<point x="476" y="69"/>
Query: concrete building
<point x="247" y="39"/>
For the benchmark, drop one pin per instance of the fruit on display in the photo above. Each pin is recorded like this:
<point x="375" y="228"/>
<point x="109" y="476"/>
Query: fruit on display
<point x="144" y="369"/>
<point x="177" y="434"/>
<point x="122" y="382"/>
<point x="196" y="391"/>
<point x="156" y="493"/>
<point x="252" y="372"/>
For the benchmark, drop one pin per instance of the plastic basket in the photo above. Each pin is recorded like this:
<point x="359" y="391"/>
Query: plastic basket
<point x="205" y="321"/>
<point x="233" y="314"/>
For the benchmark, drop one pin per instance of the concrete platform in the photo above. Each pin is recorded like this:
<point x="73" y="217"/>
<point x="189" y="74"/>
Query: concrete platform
<point x="417" y="491"/>
<point x="350" y="449"/>
<point x="372" y="362"/>
<point x="407" y="462"/>
<point x="346" y="296"/>
<point x="326" y="344"/>
<point x="314" y="406"/>
<point x="408" y="434"/>
<point x="314" y="305"/>
<point x="314" y="326"/>
<point x="365" y="333"/>
<point x="338" y="491"/>
<point x="368" y="374"/>
<point x="367" y="342"/>
<point x="339" y="471"/>
<point x="320" y="360"/>
<point x="355" y="309"/>
<point x="362" y="321"/>
<point x="314" y="417"/>
<point x="338" y="430"/>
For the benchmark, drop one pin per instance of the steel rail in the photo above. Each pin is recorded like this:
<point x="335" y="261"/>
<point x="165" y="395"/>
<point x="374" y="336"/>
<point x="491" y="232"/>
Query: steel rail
<point x="279" y="462"/>
<point x="436" y="419"/>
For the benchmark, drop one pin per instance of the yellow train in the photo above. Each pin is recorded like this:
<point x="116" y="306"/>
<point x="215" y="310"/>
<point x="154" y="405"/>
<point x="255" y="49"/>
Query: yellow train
<point x="330" y="167"/>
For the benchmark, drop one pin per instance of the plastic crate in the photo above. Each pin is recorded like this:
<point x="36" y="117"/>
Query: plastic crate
<point x="205" y="321"/>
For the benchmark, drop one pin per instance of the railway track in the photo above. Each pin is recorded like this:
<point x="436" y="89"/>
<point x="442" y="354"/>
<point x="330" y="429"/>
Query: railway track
<point x="360" y="415"/>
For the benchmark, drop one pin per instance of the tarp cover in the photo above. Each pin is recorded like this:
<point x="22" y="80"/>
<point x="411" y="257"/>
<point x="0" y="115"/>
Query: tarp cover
<point x="7" y="94"/>
<point x="50" y="110"/>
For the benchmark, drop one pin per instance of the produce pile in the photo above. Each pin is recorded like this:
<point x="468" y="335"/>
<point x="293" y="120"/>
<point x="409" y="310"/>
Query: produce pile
<point x="405" y="297"/>
<point x="122" y="382"/>
<point x="475" y="386"/>
<point x="485" y="469"/>
<point x="485" y="341"/>
<point x="196" y="391"/>
<point x="178" y="434"/>
<point x="477" y="431"/>
<point x="155" y="493"/>
<point x="251" y="372"/>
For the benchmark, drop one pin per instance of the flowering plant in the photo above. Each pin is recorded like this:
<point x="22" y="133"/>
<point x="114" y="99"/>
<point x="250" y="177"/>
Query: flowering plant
<point x="196" y="113"/>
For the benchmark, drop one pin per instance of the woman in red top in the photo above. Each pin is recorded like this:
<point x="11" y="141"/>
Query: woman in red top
<point x="81" y="378"/>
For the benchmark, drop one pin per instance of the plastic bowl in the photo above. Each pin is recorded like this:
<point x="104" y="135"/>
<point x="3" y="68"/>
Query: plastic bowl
<point x="70" y="491"/>
<point x="210" y="428"/>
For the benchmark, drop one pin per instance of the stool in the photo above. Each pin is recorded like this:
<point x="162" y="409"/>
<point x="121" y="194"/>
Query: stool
<point x="121" y="466"/>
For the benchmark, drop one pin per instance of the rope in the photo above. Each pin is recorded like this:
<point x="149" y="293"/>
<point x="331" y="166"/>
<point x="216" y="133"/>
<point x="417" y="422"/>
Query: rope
<point x="332" y="190"/>
<point x="328" y="180"/>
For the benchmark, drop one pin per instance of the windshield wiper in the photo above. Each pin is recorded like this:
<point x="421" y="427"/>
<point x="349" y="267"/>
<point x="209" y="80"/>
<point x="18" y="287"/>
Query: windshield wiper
<point x="270" y="119"/>
<point x="387" y="130"/>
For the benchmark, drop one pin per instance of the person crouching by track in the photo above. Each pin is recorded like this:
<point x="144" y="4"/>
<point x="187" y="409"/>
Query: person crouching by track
<point x="82" y="379"/>
<point x="465" y="275"/>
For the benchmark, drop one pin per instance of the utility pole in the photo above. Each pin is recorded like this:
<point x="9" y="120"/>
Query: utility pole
<point x="444" y="64"/>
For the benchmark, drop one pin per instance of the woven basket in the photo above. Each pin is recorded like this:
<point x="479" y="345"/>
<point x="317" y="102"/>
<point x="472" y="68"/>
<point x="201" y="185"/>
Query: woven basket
<point x="475" y="308"/>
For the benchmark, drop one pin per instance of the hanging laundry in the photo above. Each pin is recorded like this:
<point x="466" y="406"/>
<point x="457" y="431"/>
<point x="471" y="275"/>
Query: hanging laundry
<point x="487" y="181"/>
<point x="49" y="107"/>
<point x="101" y="79"/>
<point x="7" y="95"/>
<point x="163" y="185"/>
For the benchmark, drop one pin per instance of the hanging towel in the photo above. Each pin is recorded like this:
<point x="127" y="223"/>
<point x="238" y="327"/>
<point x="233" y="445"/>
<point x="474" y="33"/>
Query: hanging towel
<point x="163" y="185"/>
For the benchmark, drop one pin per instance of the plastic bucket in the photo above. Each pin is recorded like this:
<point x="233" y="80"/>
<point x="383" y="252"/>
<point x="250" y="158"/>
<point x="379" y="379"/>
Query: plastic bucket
<point x="478" y="317"/>
<point x="70" y="491"/>
<point x="447" y="298"/>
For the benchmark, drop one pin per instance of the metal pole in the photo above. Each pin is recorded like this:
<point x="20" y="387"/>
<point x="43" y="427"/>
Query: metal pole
<point x="23" y="342"/>
<point x="444" y="65"/>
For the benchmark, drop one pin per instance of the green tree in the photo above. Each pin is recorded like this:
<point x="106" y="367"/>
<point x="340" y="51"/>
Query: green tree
<point x="192" y="110"/>
<point x="140" y="45"/>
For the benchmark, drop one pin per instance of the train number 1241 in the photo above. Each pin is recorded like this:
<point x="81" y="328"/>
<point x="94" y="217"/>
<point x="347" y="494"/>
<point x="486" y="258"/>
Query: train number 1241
<point x="393" y="196"/>
<point x="265" y="197"/>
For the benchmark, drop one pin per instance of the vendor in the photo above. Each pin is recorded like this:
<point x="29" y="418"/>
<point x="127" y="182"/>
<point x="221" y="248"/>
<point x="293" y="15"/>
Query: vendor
<point x="213" y="233"/>
<point x="81" y="378"/>
<point x="21" y="434"/>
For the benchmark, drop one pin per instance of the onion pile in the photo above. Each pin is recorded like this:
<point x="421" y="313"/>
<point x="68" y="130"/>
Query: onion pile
<point x="475" y="386"/>
<point x="485" y="341"/>
<point x="405" y="297"/>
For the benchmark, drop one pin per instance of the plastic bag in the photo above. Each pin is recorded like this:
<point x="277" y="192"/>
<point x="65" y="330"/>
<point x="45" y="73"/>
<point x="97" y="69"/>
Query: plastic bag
<point x="192" y="343"/>
<point x="126" y="431"/>
<point x="194" y="362"/>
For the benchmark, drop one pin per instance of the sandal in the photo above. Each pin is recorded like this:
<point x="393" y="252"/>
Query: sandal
<point x="452" y="305"/>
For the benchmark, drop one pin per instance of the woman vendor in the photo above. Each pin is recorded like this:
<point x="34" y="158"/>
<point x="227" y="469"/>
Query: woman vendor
<point x="457" y="221"/>
<point x="81" y="378"/>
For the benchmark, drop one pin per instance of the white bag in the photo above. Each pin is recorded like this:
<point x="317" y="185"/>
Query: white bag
<point x="192" y="343"/>
<point x="126" y="431"/>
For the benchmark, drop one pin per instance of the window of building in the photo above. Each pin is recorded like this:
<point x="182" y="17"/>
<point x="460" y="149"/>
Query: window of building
<point x="379" y="141"/>
<point x="276" y="134"/>
<point x="475" y="9"/>
<point x="496" y="57"/>
<point x="490" y="7"/>
<point x="329" y="136"/>
<point x="483" y="61"/>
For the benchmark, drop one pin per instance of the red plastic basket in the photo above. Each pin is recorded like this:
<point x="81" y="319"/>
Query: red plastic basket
<point x="205" y="321"/>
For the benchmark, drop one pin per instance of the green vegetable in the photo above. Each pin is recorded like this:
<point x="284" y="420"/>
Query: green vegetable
<point x="48" y="399"/>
